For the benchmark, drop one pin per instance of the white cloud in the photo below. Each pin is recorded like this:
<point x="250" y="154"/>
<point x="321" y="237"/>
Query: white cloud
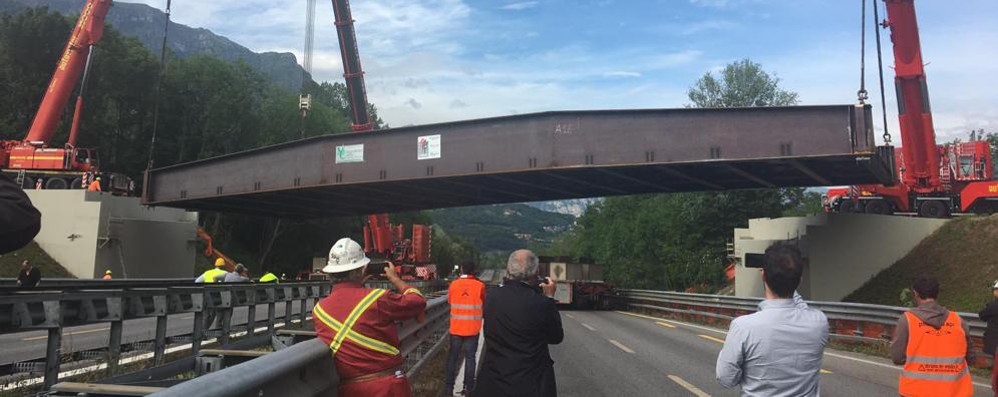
<point x="523" y="5"/>
<point x="621" y="73"/>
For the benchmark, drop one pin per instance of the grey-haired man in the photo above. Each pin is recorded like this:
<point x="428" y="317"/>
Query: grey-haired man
<point x="521" y="320"/>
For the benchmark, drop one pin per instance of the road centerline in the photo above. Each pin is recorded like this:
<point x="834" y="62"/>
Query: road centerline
<point x="688" y="386"/>
<point x="621" y="346"/>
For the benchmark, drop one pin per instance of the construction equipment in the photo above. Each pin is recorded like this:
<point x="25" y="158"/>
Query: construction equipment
<point x="212" y="253"/>
<point x="33" y="157"/>
<point x="382" y="240"/>
<point x="579" y="283"/>
<point x="935" y="181"/>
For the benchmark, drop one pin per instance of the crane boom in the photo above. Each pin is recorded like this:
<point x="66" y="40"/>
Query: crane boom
<point x="352" y="71"/>
<point x="88" y="31"/>
<point x="920" y="154"/>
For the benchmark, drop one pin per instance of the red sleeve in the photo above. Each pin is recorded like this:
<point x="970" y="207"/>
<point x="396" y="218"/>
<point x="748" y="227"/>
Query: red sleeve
<point x="404" y="306"/>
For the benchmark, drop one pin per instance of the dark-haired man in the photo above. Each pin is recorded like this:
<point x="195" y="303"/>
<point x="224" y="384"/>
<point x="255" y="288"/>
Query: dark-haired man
<point x="776" y="351"/>
<point x="933" y="344"/>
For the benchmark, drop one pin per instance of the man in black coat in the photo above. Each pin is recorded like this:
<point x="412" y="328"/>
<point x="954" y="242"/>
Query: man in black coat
<point x="521" y="320"/>
<point x="19" y="220"/>
<point x="989" y="314"/>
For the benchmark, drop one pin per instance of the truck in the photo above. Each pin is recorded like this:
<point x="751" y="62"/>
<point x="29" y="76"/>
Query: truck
<point x="934" y="181"/>
<point x="580" y="283"/>
<point x="387" y="242"/>
<point x="34" y="158"/>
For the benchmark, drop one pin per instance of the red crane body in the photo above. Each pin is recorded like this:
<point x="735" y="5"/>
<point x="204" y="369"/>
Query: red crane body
<point x="33" y="154"/>
<point x="934" y="180"/>
<point x="381" y="238"/>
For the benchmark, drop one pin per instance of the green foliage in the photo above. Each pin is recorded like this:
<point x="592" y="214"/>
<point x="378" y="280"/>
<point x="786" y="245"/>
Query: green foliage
<point x="740" y="84"/>
<point x="503" y="228"/>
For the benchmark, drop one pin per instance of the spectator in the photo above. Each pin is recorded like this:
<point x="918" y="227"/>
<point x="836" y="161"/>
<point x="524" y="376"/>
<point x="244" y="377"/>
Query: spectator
<point x="19" y="220"/>
<point x="934" y="346"/>
<point x="29" y="276"/>
<point x="466" y="296"/>
<point x="777" y="350"/>
<point x="521" y="320"/>
<point x="989" y="314"/>
<point x="239" y="275"/>
<point x="359" y="325"/>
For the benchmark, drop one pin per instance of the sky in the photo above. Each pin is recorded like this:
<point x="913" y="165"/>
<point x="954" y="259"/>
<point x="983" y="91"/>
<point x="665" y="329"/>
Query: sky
<point x="430" y="61"/>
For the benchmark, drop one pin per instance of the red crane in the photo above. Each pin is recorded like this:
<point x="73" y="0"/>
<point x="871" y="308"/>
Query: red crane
<point x="935" y="180"/>
<point x="381" y="238"/>
<point x="33" y="157"/>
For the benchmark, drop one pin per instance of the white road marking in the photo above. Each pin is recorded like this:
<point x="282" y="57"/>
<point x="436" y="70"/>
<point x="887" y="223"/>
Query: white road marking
<point x="186" y="317"/>
<point x="67" y="334"/>
<point x="864" y="361"/>
<point x="688" y="386"/>
<point x="825" y="371"/>
<point x="665" y="324"/>
<point x="621" y="346"/>
<point x="589" y="327"/>
<point x="570" y="316"/>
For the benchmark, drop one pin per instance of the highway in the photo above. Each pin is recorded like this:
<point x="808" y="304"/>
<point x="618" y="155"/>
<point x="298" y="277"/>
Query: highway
<point x="25" y="346"/>
<point x="616" y="354"/>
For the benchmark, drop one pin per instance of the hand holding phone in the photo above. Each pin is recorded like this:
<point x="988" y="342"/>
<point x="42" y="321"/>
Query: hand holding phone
<point x="548" y="287"/>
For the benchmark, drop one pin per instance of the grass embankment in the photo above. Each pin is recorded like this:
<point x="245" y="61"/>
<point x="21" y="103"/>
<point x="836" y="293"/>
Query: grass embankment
<point x="962" y="255"/>
<point x="10" y="263"/>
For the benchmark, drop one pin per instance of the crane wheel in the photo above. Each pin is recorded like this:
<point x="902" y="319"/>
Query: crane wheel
<point x="878" y="207"/>
<point x="77" y="183"/>
<point x="28" y="183"/>
<point x="56" y="183"/>
<point x="851" y="207"/>
<point x="933" y="209"/>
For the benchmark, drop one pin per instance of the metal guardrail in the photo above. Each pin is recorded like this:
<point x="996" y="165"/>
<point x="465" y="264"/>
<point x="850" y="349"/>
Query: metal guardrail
<point x="307" y="368"/>
<point x="848" y="321"/>
<point x="54" y="310"/>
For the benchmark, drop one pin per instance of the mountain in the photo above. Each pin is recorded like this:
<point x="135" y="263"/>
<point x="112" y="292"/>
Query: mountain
<point x="573" y="207"/>
<point x="503" y="227"/>
<point x="146" y="24"/>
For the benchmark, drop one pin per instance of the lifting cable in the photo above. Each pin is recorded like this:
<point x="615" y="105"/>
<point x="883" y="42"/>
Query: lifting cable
<point x="880" y="64"/>
<point x="159" y="85"/>
<point x="862" y="95"/>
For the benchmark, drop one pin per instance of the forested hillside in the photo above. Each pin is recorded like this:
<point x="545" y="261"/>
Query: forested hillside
<point x="503" y="228"/>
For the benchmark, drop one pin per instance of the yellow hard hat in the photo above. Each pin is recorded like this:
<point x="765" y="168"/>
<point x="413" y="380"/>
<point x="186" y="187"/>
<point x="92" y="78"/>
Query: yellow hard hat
<point x="219" y="262"/>
<point x="107" y="272"/>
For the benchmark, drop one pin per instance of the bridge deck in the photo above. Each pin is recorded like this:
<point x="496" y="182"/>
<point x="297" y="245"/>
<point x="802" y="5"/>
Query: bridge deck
<point x="534" y="157"/>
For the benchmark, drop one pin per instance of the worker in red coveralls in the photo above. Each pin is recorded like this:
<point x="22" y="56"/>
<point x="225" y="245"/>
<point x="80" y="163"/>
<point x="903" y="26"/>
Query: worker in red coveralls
<point x="359" y="324"/>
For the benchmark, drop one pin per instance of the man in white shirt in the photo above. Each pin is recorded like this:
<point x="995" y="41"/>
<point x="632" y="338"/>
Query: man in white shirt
<point x="776" y="351"/>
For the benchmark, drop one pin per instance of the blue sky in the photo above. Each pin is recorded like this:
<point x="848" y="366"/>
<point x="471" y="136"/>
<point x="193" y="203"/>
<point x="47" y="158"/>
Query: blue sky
<point x="439" y="60"/>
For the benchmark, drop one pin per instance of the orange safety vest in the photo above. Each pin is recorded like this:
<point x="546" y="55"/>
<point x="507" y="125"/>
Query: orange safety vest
<point x="94" y="186"/>
<point x="466" y="296"/>
<point x="936" y="362"/>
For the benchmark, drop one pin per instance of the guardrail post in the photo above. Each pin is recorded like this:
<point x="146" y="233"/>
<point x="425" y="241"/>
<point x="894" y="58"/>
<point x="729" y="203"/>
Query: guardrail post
<point x="159" y="346"/>
<point x="304" y="309"/>
<point x="226" y="315"/>
<point x="114" y="347"/>
<point x="271" y="313"/>
<point x="288" y="309"/>
<point x="251" y="319"/>
<point x="53" y="353"/>
<point x="197" y="335"/>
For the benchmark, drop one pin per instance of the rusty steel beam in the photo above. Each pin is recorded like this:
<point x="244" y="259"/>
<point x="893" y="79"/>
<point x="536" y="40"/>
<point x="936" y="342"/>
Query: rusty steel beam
<point x="534" y="157"/>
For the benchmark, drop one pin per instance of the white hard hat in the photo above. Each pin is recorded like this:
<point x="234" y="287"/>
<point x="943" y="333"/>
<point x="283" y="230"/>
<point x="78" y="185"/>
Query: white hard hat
<point x="996" y="285"/>
<point x="346" y="255"/>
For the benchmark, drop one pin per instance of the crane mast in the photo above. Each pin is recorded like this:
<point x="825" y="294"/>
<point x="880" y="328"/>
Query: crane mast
<point x="919" y="151"/>
<point x="88" y="31"/>
<point x="352" y="72"/>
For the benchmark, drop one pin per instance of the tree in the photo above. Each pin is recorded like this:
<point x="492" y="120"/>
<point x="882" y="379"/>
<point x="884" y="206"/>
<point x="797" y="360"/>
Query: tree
<point x="740" y="84"/>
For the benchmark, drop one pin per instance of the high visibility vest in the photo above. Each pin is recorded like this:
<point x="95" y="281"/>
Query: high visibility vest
<point x="210" y="274"/>
<point x="465" y="296"/>
<point x="268" y="278"/>
<point x="94" y="186"/>
<point x="936" y="363"/>
<point x="344" y="329"/>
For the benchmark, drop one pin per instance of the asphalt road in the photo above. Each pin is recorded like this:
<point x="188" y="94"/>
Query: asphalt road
<point x="615" y="354"/>
<point x="26" y="346"/>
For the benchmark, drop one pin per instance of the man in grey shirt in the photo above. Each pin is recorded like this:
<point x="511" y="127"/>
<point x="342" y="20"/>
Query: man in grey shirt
<point x="239" y="275"/>
<point x="776" y="351"/>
